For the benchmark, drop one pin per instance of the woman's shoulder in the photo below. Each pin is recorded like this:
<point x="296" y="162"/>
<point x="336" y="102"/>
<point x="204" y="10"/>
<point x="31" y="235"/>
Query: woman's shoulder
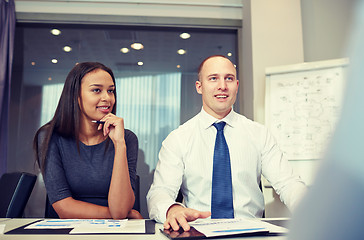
<point x="130" y="136"/>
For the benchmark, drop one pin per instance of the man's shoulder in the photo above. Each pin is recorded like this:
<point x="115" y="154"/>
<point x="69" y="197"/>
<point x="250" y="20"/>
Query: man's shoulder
<point x="242" y="120"/>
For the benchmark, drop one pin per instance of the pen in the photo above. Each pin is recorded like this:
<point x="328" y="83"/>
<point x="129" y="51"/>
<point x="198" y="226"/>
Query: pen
<point x="98" y="121"/>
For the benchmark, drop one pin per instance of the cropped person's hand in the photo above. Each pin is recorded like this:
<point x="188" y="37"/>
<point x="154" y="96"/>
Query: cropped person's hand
<point x="178" y="215"/>
<point x="113" y="126"/>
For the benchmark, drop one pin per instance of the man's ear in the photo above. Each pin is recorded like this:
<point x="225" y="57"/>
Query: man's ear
<point x="198" y="87"/>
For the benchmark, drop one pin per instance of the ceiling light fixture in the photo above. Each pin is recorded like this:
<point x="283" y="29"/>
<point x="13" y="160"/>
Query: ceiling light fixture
<point x="184" y="35"/>
<point x="55" y="32"/>
<point x="54" y="60"/>
<point x="178" y="66"/>
<point x="137" y="46"/>
<point x="67" y="49"/>
<point x="140" y="63"/>
<point x="229" y="54"/>
<point x="33" y="63"/>
<point x="124" y="50"/>
<point x="181" y="51"/>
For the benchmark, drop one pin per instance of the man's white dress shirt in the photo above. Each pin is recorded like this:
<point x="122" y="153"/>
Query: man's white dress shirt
<point x="186" y="162"/>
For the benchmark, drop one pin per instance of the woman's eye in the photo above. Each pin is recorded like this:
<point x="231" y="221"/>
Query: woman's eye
<point x="111" y="91"/>
<point x="96" y="90"/>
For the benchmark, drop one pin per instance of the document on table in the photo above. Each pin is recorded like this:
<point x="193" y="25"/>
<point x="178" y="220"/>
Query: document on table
<point x="131" y="226"/>
<point x="85" y="226"/>
<point x="223" y="227"/>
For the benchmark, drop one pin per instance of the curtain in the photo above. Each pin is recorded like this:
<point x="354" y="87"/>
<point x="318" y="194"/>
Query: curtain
<point x="7" y="32"/>
<point x="150" y="106"/>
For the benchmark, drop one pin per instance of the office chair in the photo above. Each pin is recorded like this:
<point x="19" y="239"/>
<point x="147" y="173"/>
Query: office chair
<point x="49" y="210"/>
<point x="15" y="191"/>
<point x="137" y="194"/>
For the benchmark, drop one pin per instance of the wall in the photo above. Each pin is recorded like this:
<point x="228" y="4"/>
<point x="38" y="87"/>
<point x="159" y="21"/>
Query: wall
<point x="325" y="24"/>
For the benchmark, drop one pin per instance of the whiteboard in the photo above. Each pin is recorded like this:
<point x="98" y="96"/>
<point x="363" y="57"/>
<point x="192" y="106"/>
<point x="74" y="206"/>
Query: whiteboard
<point x="302" y="105"/>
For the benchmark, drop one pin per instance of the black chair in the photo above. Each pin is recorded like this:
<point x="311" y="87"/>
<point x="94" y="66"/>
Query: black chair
<point x="15" y="191"/>
<point x="51" y="213"/>
<point x="179" y="197"/>
<point x="49" y="210"/>
<point x="137" y="194"/>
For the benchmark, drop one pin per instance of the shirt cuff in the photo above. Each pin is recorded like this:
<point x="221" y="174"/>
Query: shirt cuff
<point x="163" y="214"/>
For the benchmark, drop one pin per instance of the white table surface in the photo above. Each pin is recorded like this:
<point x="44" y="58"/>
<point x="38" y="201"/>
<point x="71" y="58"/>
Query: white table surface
<point x="18" y="222"/>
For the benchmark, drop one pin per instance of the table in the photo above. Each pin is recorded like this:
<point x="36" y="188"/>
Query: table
<point x="18" y="222"/>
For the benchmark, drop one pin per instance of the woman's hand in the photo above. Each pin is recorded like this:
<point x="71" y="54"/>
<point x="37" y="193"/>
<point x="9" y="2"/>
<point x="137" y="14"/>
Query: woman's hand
<point x="134" y="214"/>
<point x="114" y="127"/>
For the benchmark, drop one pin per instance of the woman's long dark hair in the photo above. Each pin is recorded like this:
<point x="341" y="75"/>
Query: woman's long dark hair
<point x="66" y="119"/>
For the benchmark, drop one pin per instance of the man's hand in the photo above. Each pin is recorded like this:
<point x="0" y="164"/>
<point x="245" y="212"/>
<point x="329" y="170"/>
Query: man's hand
<point x="179" y="215"/>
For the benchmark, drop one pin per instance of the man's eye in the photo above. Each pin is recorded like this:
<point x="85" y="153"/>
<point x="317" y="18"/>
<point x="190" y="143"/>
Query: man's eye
<point x="213" y="78"/>
<point x="229" y="78"/>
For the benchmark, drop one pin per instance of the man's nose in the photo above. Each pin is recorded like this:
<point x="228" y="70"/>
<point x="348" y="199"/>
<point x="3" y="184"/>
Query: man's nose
<point x="222" y="84"/>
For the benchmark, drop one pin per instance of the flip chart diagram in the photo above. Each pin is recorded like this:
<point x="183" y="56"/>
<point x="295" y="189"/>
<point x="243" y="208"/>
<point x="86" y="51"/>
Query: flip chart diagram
<point x="303" y="104"/>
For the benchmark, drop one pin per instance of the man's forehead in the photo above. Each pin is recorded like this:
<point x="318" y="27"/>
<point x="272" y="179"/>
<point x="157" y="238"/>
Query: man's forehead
<point x="218" y="60"/>
<point x="218" y="67"/>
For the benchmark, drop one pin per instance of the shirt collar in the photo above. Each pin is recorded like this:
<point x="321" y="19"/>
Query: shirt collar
<point x="207" y="120"/>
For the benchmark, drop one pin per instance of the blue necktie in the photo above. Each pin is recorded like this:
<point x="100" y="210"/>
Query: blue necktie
<point x="222" y="193"/>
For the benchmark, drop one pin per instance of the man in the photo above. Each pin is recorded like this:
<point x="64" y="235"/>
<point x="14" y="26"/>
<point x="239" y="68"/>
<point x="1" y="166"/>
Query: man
<point x="187" y="158"/>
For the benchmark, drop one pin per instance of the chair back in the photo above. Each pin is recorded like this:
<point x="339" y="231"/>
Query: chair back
<point x="15" y="191"/>
<point x="137" y="194"/>
<point x="49" y="210"/>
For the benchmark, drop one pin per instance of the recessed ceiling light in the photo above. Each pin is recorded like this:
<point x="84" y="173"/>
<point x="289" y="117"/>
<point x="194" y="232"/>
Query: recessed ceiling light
<point x="229" y="54"/>
<point x="67" y="49"/>
<point x="55" y="32"/>
<point x="178" y="66"/>
<point x="124" y="50"/>
<point x="185" y="35"/>
<point x="54" y="60"/>
<point x="137" y="46"/>
<point x="49" y="79"/>
<point x="33" y="63"/>
<point x="140" y="63"/>
<point x="181" y="51"/>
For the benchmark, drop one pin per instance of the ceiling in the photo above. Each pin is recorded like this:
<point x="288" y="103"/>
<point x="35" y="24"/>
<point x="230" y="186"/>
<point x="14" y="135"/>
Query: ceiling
<point x="103" y="44"/>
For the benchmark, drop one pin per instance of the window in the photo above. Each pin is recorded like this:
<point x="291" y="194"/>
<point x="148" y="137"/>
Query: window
<point x="155" y="83"/>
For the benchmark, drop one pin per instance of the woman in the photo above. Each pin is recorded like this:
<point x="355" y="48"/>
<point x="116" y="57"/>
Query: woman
<point x="86" y="175"/>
